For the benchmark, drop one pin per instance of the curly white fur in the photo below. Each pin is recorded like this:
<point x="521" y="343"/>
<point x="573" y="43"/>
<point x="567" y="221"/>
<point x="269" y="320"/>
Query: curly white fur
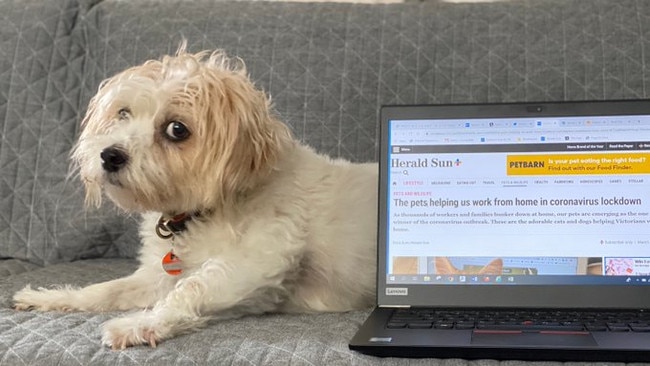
<point x="282" y="228"/>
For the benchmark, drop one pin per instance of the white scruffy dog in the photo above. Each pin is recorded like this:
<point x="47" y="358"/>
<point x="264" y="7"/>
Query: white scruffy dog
<point x="238" y="217"/>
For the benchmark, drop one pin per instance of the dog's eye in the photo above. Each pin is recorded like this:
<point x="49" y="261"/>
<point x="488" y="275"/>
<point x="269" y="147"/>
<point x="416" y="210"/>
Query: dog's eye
<point x="177" y="131"/>
<point x="124" y="113"/>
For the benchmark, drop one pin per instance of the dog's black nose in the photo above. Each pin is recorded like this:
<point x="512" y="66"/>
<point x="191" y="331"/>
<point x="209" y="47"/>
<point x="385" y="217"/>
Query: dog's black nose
<point x="113" y="159"/>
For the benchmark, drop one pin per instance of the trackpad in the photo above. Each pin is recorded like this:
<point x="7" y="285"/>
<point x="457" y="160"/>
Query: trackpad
<point x="564" y="339"/>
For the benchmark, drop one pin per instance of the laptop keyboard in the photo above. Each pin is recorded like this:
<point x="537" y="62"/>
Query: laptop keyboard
<point x="516" y="320"/>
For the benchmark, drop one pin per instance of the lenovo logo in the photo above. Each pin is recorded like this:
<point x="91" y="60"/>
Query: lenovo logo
<point x="397" y="291"/>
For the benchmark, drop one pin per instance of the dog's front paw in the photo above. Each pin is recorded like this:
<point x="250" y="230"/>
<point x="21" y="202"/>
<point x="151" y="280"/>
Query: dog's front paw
<point x="42" y="299"/>
<point x="133" y="330"/>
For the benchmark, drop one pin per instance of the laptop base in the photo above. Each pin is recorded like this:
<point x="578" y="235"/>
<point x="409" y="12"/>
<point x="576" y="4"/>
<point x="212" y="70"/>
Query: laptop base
<point x="524" y="354"/>
<point x="375" y="339"/>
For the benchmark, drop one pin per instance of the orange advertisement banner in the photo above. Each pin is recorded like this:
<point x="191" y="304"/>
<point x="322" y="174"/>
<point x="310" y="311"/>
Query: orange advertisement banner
<point x="579" y="164"/>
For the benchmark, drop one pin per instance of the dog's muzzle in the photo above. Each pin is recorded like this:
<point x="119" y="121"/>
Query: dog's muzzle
<point x="113" y="159"/>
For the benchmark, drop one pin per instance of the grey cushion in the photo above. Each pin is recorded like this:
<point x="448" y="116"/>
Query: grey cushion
<point x="53" y="338"/>
<point x="12" y="267"/>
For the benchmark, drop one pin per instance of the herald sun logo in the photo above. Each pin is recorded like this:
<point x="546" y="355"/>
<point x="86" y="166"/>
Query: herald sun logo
<point x="425" y="163"/>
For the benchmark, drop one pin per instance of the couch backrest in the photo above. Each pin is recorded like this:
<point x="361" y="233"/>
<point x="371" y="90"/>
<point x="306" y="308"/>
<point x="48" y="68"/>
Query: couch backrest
<point x="329" y="67"/>
<point x="41" y="80"/>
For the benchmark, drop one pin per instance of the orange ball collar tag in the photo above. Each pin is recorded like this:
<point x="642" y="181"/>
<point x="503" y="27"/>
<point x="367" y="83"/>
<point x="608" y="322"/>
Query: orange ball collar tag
<point x="172" y="264"/>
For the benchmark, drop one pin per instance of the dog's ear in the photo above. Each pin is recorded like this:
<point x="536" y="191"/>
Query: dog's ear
<point x="247" y="138"/>
<point x="260" y="134"/>
<point x="90" y="125"/>
<point x="92" y="188"/>
<point x="256" y="137"/>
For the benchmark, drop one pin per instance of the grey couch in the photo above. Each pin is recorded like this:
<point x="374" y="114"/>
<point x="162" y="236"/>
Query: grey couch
<point x="328" y="67"/>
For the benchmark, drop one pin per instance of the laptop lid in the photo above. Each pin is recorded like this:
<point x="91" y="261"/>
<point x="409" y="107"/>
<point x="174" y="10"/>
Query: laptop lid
<point x="515" y="205"/>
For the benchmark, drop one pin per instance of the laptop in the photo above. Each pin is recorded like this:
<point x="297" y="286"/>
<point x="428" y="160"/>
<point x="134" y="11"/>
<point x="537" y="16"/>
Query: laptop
<point x="513" y="231"/>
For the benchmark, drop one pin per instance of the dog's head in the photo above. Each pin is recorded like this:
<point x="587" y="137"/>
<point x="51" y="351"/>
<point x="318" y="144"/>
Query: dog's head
<point x="185" y="133"/>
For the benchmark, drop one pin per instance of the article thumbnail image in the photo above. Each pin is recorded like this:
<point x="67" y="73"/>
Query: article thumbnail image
<point x="406" y="265"/>
<point x="414" y="265"/>
<point x="627" y="266"/>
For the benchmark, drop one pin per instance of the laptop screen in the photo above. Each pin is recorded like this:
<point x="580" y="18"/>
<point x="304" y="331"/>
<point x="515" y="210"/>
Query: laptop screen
<point x="510" y="195"/>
